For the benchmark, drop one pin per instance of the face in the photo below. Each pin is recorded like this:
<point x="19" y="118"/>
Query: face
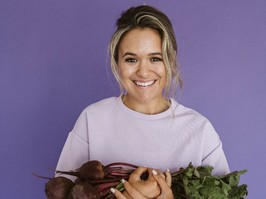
<point x="141" y="67"/>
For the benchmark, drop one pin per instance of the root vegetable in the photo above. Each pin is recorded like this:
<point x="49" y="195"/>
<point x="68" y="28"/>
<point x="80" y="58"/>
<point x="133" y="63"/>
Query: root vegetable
<point x="92" y="170"/>
<point x="83" y="190"/>
<point x="58" y="188"/>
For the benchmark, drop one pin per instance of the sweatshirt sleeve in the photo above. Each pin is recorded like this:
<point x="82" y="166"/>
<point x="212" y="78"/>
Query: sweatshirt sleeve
<point x="76" y="148"/>
<point x="213" y="153"/>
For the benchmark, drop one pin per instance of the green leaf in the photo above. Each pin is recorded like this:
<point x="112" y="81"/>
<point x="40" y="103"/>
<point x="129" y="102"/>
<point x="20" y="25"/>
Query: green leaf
<point x="198" y="183"/>
<point x="204" y="170"/>
<point x="238" y="192"/>
<point x="233" y="178"/>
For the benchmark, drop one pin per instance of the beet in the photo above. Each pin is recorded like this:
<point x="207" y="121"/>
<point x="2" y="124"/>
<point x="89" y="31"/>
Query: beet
<point x="94" y="181"/>
<point x="83" y="190"/>
<point x="58" y="188"/>
<point x="91" y="170"/>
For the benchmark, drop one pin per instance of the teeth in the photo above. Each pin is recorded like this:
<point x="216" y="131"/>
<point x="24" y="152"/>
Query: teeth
<point x="144" y="84"/>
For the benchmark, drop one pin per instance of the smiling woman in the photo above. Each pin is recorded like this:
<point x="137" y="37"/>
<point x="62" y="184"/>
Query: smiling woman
<point x="144" y="125"/>
<point x="143" y="17"/>
<point x="142" y="71"/>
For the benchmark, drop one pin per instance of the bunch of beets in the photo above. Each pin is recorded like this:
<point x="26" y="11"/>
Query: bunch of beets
<point x="95" y="180"/>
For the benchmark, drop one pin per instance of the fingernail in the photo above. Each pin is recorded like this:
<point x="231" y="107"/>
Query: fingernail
<point x="167" y="170"/>
<point x="112" y="190"/>
<point x="123" y="181"/>
<point x="154" y="172"/>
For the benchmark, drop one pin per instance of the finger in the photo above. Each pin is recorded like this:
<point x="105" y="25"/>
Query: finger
<point x="162" y="183"/>
<point x="135" y="176"/>
<point x="161" y="174"/>
<point x="125" y="193"/>
<point x="151" y="175"/>
<point x="168" y="177"/>
<point x="118" y="194"/>
<point x="132" y="191"/>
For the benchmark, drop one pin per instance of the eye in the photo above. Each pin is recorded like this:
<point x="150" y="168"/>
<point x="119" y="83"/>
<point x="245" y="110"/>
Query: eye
<point x="156" y="59"/>
<point x="131" y="60"/>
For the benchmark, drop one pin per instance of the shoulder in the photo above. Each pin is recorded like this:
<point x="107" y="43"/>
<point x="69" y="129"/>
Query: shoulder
<point x="95" y="112"/>
<point x="97" y="108"/>
<point x="194" y="120"/>
<point x="103" y="104"/>
<point x="186" y="113"/>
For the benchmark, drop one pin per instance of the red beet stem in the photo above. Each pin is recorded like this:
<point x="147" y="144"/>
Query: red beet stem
<point x="120" y="164"/>
<point x="104" y="186"/>
<point x="39" y="176"/>
<point x="106" y="180"/>
<point x="118" y="174"/>
<point x="119" y="169"/>
<point x="72" y="173"/>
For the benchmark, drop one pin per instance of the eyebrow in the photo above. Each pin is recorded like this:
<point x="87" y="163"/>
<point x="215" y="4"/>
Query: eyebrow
<point x="150" y="54"/>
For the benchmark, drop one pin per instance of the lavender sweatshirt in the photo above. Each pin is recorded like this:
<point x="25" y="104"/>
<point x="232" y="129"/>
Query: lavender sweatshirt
<point x="109" y="131"/>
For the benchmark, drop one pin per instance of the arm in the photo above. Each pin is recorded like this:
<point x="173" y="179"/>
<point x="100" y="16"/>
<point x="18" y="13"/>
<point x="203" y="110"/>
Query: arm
<point x="217" y="159"/>
<point x="76" y="148"/>
<point x="213" y="153"/>
<point x="73" y="155"/>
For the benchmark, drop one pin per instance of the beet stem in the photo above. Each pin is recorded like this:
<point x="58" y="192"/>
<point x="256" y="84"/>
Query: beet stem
<point x="106" y="180"/>
<point x="72" y="173"/>
<point x="120" y="164"/>
<point x="39" y="176"/>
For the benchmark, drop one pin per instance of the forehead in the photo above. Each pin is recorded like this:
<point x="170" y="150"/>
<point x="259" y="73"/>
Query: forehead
<point x="141" y="39"/>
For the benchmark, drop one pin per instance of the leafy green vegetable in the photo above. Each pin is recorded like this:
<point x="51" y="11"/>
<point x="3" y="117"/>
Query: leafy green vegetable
<point x="198" y="183"/>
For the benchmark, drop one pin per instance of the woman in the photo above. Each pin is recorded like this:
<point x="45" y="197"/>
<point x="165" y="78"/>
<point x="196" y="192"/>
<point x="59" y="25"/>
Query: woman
<point x="144" y="125"/>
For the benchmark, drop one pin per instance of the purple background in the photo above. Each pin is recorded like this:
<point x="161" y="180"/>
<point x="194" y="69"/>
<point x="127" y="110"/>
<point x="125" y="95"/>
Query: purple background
<point x="53" y="63"/>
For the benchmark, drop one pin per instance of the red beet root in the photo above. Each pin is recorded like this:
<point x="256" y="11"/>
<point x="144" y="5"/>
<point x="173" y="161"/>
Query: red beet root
<point x="58" y="188"/>
<point x="83" y="190"/>
<point x="91" y="170"/>
<point x="93" y="181"/>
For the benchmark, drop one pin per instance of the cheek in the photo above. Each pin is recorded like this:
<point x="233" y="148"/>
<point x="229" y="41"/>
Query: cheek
<point x="121" y="71"/>
<point x="161" y="71"/>
<point x="163" y="74"/>
<point x="125" y="71"/>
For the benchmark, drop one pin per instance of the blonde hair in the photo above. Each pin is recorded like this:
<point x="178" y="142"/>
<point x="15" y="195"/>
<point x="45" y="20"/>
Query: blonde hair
<point x="148" y="17"/>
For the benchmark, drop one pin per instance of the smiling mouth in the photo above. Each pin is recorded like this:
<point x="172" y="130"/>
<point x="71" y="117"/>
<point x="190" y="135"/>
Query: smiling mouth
<point x="144" y="84"/>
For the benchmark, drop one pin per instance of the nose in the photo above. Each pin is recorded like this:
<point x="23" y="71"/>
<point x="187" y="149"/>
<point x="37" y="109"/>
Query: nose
<point x="143" y="69"/>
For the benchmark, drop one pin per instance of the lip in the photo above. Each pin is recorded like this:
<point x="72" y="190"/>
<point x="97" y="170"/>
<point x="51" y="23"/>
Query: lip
<point x="144" y="84"/>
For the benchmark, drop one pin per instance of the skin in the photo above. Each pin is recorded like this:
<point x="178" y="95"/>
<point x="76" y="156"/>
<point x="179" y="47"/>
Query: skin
<point x="142" y="71"/>
<point x="148" y="188"/>
<point x="164" y="183"/>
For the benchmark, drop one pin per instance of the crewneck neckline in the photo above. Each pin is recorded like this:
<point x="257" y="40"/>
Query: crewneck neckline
<point x="144" y="116"/>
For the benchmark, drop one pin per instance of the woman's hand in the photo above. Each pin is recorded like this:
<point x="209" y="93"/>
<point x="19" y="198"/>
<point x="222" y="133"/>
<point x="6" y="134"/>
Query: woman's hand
<point x="165" y="185"/>
<point x="130" y="193"/>
<point x="138" y="189"/>
<point x="149" y="187"/>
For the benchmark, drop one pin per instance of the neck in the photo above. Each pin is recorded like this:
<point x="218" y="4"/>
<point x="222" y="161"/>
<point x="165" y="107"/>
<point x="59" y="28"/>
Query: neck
<point x="151" y="107"/>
